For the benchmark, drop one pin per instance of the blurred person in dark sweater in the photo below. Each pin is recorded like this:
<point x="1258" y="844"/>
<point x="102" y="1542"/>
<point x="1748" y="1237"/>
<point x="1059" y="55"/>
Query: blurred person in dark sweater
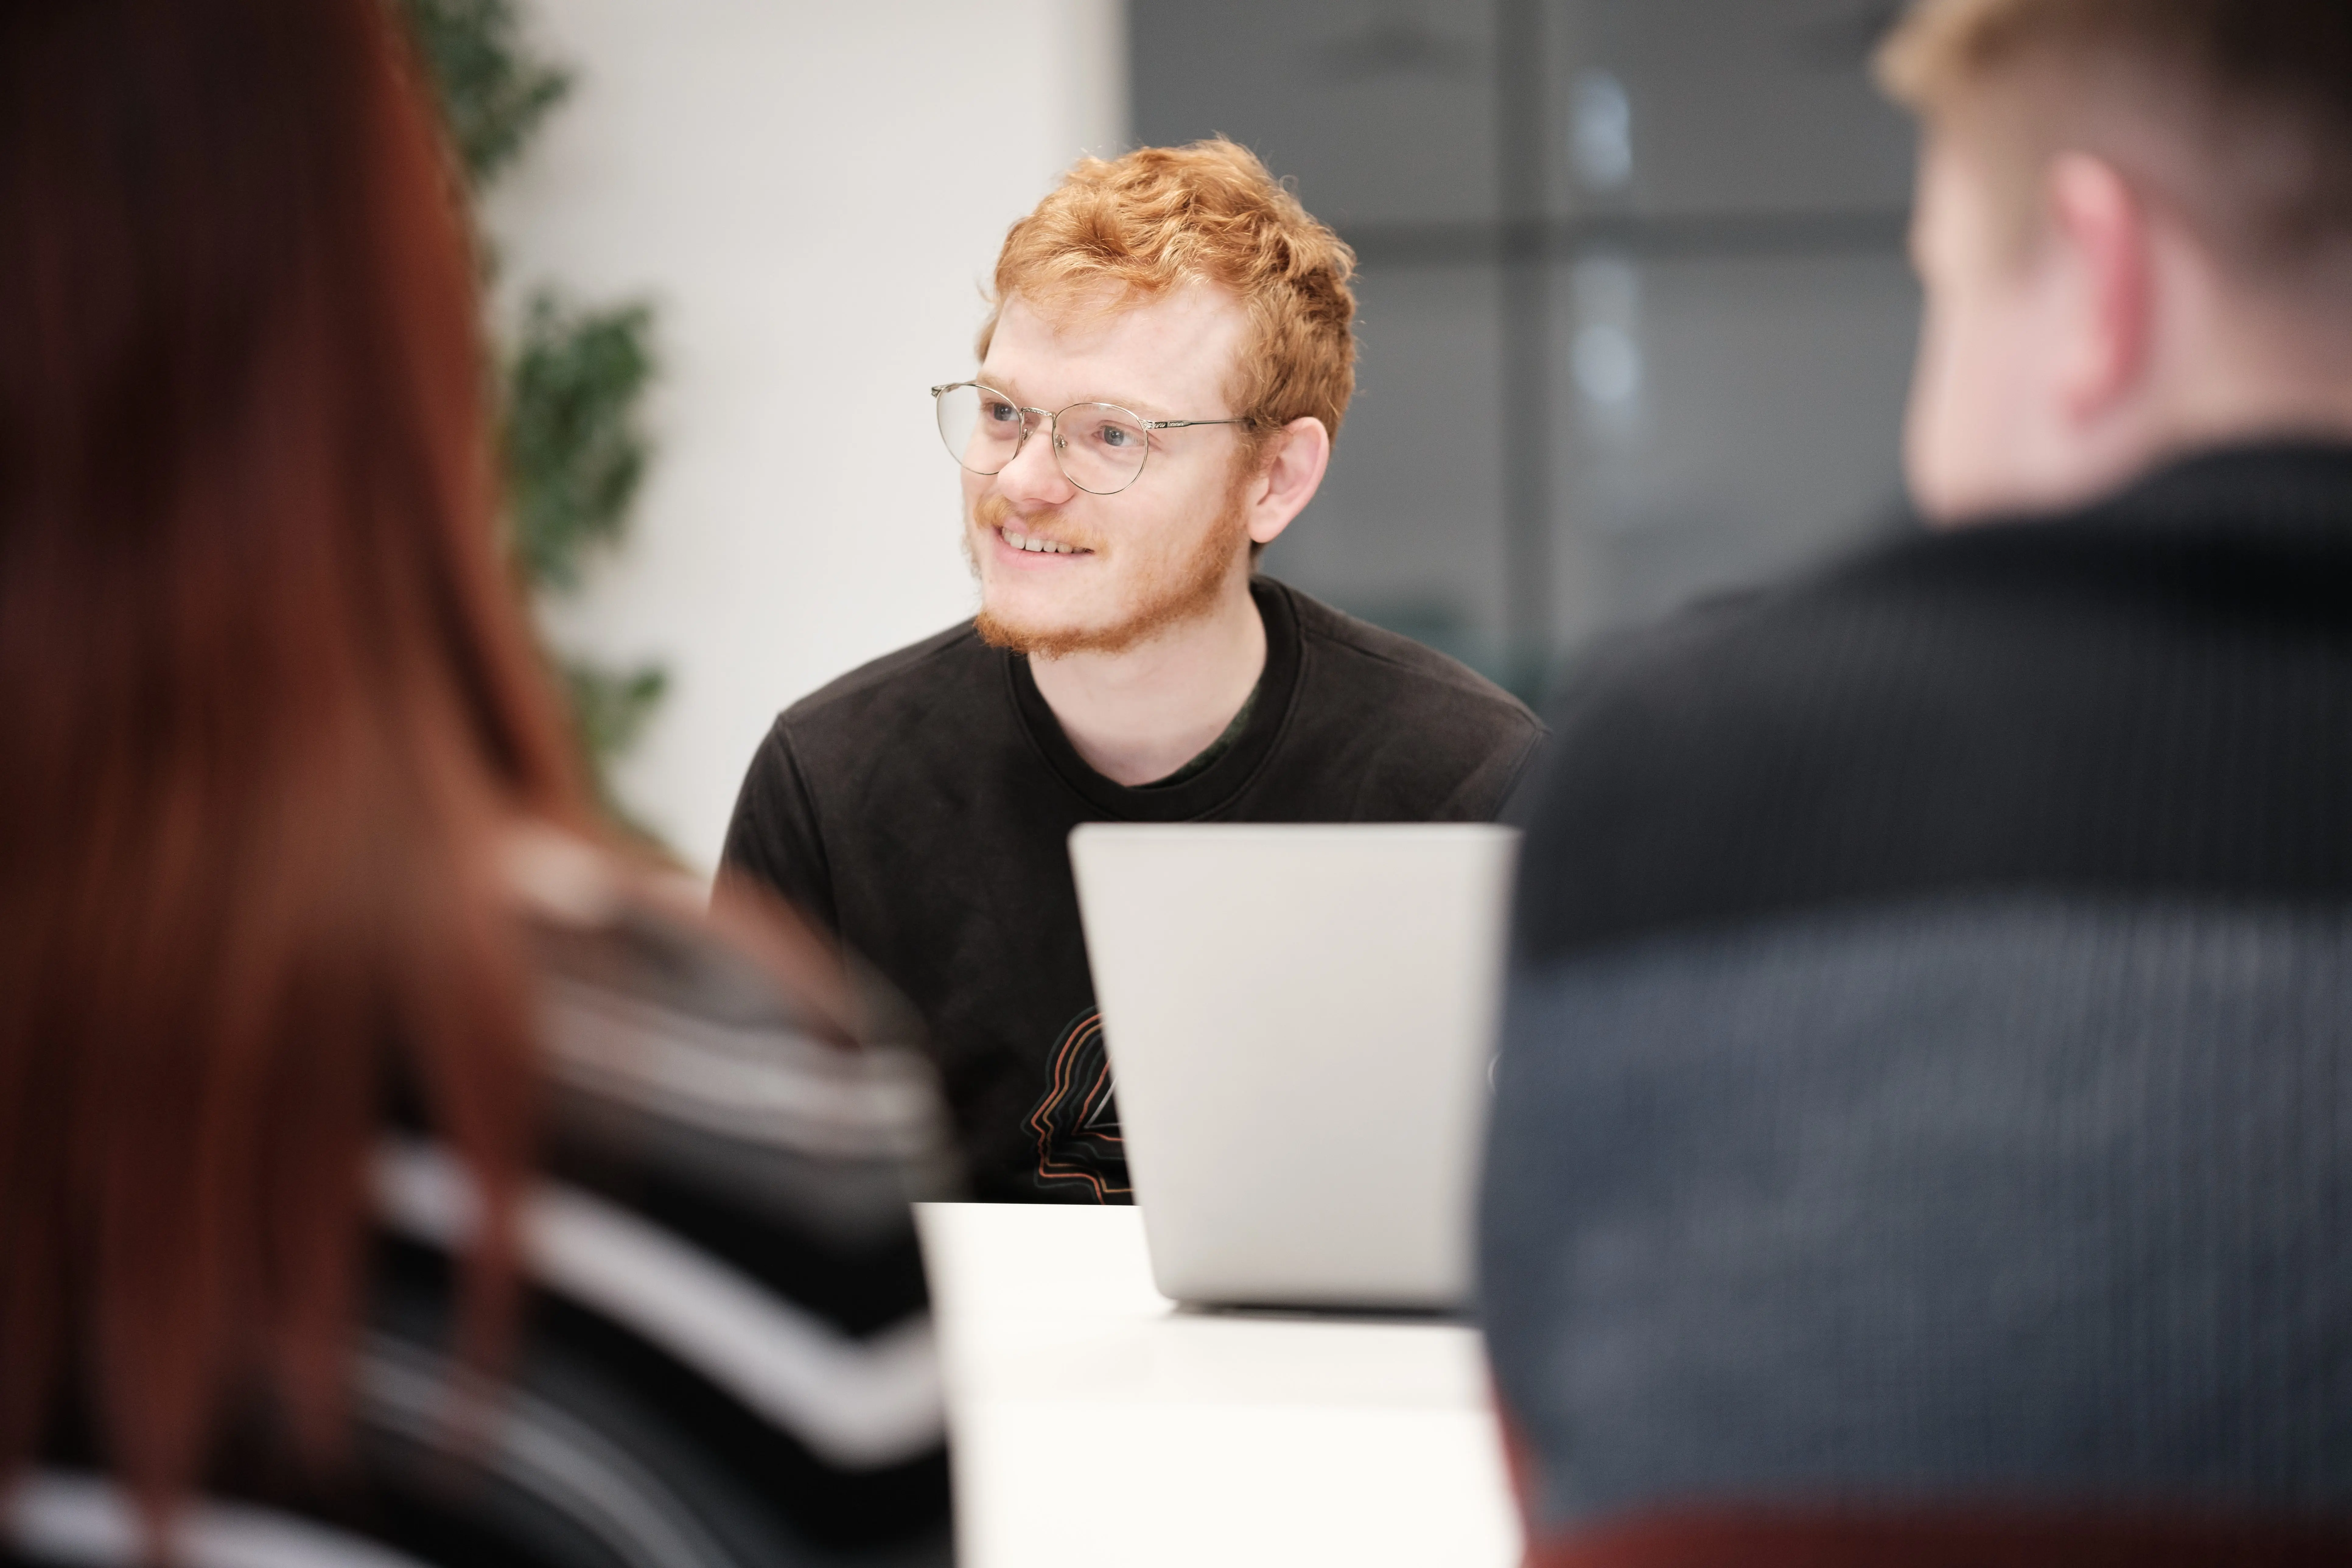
<point x="391" y="1171"/>
<point x="1922" y="1125"/>
<point x="1169" y="361"/>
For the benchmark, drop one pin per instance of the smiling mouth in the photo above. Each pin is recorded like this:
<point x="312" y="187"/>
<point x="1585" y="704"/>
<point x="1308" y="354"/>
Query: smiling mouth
<point x="1031" y="544"/>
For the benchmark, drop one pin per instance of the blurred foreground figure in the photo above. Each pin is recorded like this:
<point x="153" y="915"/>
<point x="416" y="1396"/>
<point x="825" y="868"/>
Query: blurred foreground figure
<point x="1924" y="1127"/>
<point x="387" y="1174"/>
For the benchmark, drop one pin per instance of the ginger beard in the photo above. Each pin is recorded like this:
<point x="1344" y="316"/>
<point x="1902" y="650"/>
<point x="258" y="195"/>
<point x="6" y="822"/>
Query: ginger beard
<point x="1169" y="593"/>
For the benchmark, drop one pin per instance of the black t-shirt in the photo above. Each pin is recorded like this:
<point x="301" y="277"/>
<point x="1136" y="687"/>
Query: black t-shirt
<point x="922" y="806"/>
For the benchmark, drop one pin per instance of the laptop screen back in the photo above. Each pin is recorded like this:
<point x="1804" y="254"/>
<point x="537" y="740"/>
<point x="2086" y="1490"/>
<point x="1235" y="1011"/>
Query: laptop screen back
<point x="1299" y="1020"/>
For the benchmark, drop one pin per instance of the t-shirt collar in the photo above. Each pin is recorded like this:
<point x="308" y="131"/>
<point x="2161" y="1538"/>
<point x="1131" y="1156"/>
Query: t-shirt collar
<point x="1216" y="786"/>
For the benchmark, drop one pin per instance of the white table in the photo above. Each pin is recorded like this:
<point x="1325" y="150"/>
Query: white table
<point x="1095" y="1423"/>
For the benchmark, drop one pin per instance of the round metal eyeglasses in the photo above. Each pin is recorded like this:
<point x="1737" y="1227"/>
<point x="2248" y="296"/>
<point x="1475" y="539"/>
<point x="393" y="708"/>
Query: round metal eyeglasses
<point x="1098" y="447"/>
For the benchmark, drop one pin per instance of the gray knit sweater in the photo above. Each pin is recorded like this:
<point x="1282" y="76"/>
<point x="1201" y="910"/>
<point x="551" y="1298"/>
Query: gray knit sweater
<point x="1928" y="1062"/>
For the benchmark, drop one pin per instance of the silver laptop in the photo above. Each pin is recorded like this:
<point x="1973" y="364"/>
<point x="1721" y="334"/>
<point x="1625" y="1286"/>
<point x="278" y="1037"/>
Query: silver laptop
<point x="1300" y="1021"/>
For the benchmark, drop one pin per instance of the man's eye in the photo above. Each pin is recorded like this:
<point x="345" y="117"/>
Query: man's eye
<point x="1120" y="437"/>
<point x="1002" y="412"/>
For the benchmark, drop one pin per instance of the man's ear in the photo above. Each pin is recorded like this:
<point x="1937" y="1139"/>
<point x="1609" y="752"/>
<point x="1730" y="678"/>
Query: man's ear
<point x="2105" y="254"/>
<point x="1290" y="470"/>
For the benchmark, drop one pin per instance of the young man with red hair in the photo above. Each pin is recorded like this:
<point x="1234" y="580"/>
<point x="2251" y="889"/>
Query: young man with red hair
<point x="1169" y="361"/>
<point x="1922" y="1123"/>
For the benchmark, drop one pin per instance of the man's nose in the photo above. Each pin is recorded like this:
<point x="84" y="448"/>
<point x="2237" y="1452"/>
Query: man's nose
<point x="1032" y="478"/>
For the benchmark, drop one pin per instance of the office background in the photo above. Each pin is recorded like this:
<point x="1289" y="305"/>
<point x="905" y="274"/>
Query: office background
<point x="1635" y="317"/>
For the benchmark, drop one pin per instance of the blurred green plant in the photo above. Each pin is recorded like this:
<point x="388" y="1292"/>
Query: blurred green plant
<point x="574" y="457"/>
<point x="574" y="451"/>
<point x="493" y="96"/>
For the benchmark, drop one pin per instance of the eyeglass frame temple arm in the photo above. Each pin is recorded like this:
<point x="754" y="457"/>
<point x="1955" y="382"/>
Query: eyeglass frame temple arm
<point x="947" y="386"/>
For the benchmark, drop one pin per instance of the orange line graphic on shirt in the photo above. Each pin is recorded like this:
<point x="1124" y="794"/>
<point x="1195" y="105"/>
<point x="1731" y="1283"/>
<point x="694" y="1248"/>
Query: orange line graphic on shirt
<point x="1080" y="1041"/>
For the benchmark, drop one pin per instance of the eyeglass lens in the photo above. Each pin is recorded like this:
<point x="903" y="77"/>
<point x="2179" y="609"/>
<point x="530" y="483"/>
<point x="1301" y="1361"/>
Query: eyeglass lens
<point x="1100" y="448"/>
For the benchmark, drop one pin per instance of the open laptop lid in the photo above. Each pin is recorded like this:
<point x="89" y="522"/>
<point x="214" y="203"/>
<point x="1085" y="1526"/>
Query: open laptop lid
<point x="1299" y="1020"/>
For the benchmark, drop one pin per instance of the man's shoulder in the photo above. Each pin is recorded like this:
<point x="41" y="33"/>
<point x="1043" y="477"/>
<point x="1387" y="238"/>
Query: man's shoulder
<point x="1399" y="669"/>
<point x="918" y="677"/>
<point x="1400" y="731"/>
<point x="1734" y="755"/>
<point x="2026" y="702"/>
<point x="1927" y="621"/>
<point x="1916" y="623"/>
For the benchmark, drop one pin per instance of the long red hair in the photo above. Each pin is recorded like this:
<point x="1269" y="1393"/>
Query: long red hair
<point x="270" y="701"/>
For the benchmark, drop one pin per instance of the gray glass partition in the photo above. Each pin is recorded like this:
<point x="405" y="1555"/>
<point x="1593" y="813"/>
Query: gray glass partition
<point x="1635" y="315"/>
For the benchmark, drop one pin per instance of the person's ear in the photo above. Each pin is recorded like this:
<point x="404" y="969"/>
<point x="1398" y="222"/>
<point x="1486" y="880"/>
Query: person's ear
<point x="2101" y="230"/>
<point x="1290" y="470"/>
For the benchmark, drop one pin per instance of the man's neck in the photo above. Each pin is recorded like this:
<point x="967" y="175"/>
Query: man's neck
<point x="2220" y="403"/>
<point x="2239" y="371"/>
<point x="1138" y="715"/>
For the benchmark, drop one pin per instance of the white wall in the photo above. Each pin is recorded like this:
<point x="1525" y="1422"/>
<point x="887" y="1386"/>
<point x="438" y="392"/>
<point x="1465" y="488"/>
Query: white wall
<point x="812" y="195"/>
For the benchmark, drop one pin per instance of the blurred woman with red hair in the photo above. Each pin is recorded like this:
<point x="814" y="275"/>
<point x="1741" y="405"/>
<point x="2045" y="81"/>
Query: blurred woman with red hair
<point x="387" y="1171"/>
